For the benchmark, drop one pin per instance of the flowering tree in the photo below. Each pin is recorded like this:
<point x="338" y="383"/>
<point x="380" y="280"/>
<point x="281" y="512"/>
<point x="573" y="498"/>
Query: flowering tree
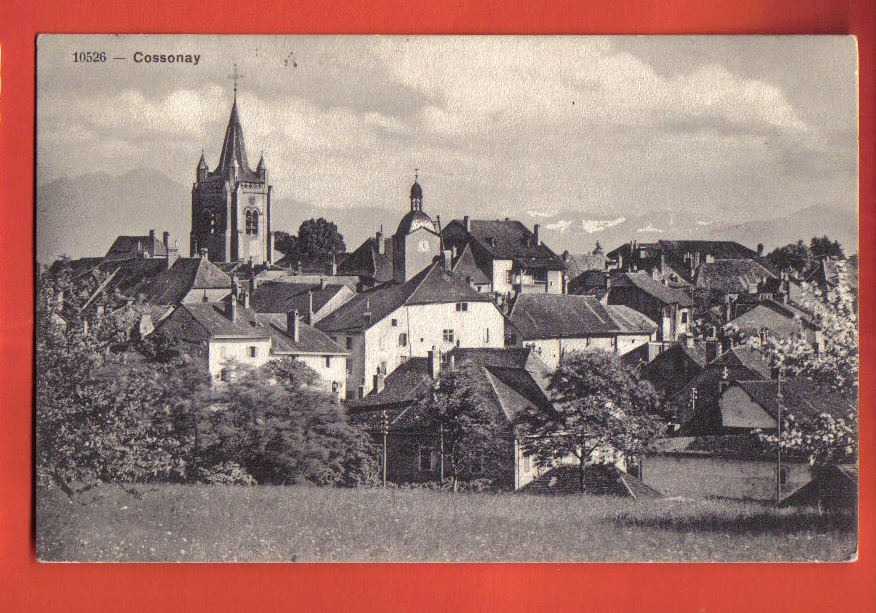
<point x="832" y="364"/>
<point x="599" y="405"/>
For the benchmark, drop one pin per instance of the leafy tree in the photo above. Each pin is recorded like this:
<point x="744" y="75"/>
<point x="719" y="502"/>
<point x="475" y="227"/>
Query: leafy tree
<point x="823" y="247"/>
<point x="275" y="424"/>
<point x="793" y="256"/>
<point x="831" y="364"/>
<point x="600" y="409"/>
<point x="104" y="413"/>
<point x="476" y="439"/>
<point x="285" y="243"/>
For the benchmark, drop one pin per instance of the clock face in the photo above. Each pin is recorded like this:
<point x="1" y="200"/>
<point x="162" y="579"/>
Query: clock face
<point x="423" y="246"/>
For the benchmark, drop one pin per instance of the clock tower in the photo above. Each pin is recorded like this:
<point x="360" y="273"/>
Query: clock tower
<point x="416" y="241"/>
<point x="231" y="205"/>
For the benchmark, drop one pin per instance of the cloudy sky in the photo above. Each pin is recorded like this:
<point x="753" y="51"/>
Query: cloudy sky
<point x="730" y="128"/>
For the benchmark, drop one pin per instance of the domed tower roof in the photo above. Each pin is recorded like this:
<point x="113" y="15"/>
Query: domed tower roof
<point x="416" y="190"/>
<point x="414" y="220"/>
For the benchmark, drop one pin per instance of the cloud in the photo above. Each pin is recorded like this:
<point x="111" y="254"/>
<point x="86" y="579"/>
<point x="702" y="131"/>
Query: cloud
<point x="539" y="214"/>
<point x="598" y="225"/>
<point x="649" y="228"/>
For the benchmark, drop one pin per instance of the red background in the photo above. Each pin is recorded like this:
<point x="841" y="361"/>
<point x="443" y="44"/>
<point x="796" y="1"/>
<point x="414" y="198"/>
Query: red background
<point x="26" y="585"/>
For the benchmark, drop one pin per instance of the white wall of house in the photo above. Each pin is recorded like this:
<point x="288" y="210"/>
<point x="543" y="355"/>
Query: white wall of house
<point x="222" y="352"/>
<point x="551" y="350"/>
<point x="707" y="476"/>
<point x="331" y="369"/>
<point x="423" y="326"/>
<point x="501" y="268"/>
<point x="738" y="410"/>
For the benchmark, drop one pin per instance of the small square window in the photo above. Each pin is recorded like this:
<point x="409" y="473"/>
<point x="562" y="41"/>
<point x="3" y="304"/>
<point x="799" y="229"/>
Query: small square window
<point x="394" y="323"/>
<point x="462" y="306"/>
<point x="447" y="335"/>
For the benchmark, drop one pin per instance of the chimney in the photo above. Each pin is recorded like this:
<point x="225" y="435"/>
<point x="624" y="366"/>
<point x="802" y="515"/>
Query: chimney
<point x="452" y="361"/>
<point x="166" y="239"/>
<point x="535" y="230"/>
<point x="712" y="350"/>
<point x="232" y="309"/>
<point x="447" y="256"/>
<point x="334" y="265"/>
<point x="379" y="380"/>
<point x="466" y="222"/>
<point x="293" y="325"/>
<point x="434" y="362"/>
<point x="655" y="274"/>
<point x="204" y="253"/>
<point x="152" y="235"/>
<point x="246" y="299"/>
<point x="321" y="283"/>
<point x="381" y="247"/>
<point x="172" y="256"/>
<point x="310" y="307"/>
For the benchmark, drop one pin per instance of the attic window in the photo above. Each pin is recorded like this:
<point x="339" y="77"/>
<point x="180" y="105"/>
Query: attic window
<point x="253" y="352"/>
<point x="394" y="322"/>
<point x="462" y="306"/>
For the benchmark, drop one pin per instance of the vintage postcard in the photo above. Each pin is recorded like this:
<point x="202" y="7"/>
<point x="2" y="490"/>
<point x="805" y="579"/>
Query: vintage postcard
<point x="446" y="298"/>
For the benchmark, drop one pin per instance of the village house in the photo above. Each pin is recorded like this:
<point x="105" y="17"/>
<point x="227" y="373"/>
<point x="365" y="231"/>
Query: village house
<point x="516" y="381"/>
<point x="394" y="322"/>
<point x="554" y="325"/>
<point x="774" y="319"/>
<point x="137" y="247"/>
<point x="511" y="256"/>
<point x="312" y="300"/>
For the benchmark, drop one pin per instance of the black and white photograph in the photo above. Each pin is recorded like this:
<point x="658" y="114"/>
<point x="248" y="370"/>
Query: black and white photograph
<point x="446" y="298"/>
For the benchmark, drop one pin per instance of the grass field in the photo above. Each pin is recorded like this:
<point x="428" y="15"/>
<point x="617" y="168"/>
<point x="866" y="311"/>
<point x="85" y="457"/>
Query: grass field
<point x="228" y="523"/>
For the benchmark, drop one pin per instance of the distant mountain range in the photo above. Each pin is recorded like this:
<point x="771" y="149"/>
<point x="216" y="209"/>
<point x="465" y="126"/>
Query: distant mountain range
<point x="82" y="216"/>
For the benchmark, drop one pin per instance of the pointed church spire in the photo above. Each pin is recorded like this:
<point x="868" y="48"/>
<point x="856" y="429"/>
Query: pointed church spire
<point x="233" y="147"/>
<point x="261" y="165"/>
<point x="202" y="163"/>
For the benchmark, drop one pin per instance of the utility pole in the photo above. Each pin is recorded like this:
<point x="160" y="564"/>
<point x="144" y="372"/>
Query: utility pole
<point x="779" y="436"/>
<point x="385" y="428"/>
<point x="441" y="447"/>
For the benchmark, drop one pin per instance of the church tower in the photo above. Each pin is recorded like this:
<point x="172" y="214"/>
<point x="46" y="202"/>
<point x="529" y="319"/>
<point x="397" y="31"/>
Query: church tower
<point x="231" y="205"/>
<point x="416" y="241"/>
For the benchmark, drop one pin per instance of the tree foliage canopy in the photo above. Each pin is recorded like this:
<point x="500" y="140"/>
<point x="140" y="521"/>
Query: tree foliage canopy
<point x="831" y="364"/>
<point x="477" y="441"/>
<point x="316" y="239"/>
<point x="599" y="406"/>
<point x="799" y="256"/>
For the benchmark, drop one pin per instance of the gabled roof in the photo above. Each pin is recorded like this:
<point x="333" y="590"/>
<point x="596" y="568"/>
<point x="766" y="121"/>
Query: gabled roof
<point x="731" y="276"/>
<point x="125" y="247"/>
<point x="802" y="397"/>
<point x="310" y="340"/>
<point x="735" y="446"/>
<point x="466" y="267"/>
<point x="282" y="297"/>
<point x="578" y="263"/>
<point x="655" y="289"/>
<point x="367" y="261"/>
<point x="433" y="285"/>
<point x="173" y="284"/>
<point x="511" y="240"/>
<point x="675" y="367"/>
<point x="781" y="320"/>
<point x="537" y="316"/>
<point x="213" y="322"/>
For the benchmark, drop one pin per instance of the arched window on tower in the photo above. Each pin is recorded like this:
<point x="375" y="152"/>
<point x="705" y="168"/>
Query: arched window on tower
<point x="255" y="222"/>
<point x="249" y="222"/>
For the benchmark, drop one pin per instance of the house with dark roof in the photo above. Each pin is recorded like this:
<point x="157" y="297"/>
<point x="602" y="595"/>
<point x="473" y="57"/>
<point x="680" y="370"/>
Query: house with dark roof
<point x="138" y="247"/>
<point x="371" y="261"/>
<point x="776" y="319"/>
<point x="188" y="280"/>
<point x="554" y="324"/>
<point x="511" y="256"/>
<point x="312" y="300"/>
<point x="223" y="334"/>
<point x="389" y="324"/>
<point x="732" y="277"/>
<point x="515" y="381"/>
<point x="671" y="308"/>
<point x="293" y="338"/>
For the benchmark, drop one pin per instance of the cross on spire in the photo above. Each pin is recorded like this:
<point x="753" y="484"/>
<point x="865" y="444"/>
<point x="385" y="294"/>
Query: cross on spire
<point x="234" y="76"/>
<point x="416" y="173"/>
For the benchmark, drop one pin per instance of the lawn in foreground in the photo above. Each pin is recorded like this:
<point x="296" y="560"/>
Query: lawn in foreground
<point x="300" y="523"/>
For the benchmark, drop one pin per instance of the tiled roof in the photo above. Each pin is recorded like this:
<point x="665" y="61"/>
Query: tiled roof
<point x="656" y="289"/>
<point x="562" y="316"/>
<point x="466" y="267"/>
<point x="731" y="276"/>
<point x="185" y="275"/>
<point x="136" y="246"/>
<point x="310" y="340"/>
<point x="282" y="297"/>
<point x="629" y="320"/>
<point x="368" y="262"/>
<point x="800" y="396"/>
<point x="599" y="479"/>
<point x="214" y="322"/>
<point x="578" y="263"/>
<point x="511" y="240"/>
<point x="403" y="385"/>
<point x="779" y="322"/>
<point x="675" y="367"/>
<point x="737" y="446"/>
<point x="434" y="285"/>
